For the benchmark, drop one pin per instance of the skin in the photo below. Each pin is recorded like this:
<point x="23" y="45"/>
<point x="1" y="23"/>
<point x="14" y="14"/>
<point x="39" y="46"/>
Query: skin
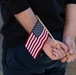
<point x="54" y="51"/>
<point x="28" y="20"/>
<point x="70" y="32"/>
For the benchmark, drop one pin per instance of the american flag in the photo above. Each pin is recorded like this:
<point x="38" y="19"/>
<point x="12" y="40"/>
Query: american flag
<point x="36" y="40"/>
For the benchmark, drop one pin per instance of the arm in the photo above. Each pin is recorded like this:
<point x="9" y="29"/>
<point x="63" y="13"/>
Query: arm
<point x="23" y="13"/>
<point x="70" y="21"/>
<point x="70" y="31"/>
<point x="27" y="19"/>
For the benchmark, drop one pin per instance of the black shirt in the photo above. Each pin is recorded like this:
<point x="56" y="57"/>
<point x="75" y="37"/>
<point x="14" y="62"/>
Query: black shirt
<point x="51" y="12"/>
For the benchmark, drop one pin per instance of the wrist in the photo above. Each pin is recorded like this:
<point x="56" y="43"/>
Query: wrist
<point x="48" y="41"/>
<point x="69" y="36"/>
<point x="68" y="39"/>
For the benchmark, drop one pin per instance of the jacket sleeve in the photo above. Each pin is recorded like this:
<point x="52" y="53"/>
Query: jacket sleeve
<point x="17" y="6"/>
<point x="71" y="1"/>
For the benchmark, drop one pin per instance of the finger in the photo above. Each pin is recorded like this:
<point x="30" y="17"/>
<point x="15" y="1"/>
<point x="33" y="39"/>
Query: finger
<point x="55" y="56"/>
<point x="63" y="46"/>
<point x="64" y="59"/>
<point x="62" y="51"/>
<point x="60" y="54"/>
<point x="70" y="58"/>
<point x="71" y="50"/>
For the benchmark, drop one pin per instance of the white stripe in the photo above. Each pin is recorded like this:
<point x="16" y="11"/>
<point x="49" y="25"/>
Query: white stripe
<point x="26" y="45"/>
<point x="40" y="42"/>
<point x="41" y="46"/>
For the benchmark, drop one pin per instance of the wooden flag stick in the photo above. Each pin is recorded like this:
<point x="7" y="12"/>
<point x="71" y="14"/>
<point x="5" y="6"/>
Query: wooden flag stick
<point x="47" y="30"/>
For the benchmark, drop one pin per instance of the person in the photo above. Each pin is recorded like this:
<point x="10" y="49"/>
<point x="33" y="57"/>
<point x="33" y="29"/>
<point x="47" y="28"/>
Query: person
<point x="23" y="54"/>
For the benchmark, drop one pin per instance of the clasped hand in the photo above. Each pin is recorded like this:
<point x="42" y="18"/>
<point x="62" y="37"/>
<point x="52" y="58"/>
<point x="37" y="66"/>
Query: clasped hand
<point x="63" y="51"/>
<point x="71" y="53"/>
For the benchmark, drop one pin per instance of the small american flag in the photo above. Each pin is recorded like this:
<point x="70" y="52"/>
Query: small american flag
<point x="36" y="40"/>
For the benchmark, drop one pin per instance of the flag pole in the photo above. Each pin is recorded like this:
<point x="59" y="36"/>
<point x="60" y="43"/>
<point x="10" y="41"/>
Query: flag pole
<point x="46" y="29"/>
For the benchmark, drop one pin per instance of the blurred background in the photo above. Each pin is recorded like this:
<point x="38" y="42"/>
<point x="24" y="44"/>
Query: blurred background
<point x="71" y="68"/>
<point x="1" y="23"/>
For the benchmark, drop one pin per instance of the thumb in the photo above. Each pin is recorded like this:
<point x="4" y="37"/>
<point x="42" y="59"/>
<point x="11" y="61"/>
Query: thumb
<point x="71" y="51"/>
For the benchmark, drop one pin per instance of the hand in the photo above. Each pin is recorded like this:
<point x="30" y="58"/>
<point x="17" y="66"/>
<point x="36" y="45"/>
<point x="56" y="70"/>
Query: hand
<point x="54" y="51"/>
<point x="69" y="41"/>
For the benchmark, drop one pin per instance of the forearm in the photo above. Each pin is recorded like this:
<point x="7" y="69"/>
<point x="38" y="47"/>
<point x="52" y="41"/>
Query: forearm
<point x="22" y="12"/>
<point x="38" y="35"/>
<point x="70" y="21"/>
<point x="27" y="19"/>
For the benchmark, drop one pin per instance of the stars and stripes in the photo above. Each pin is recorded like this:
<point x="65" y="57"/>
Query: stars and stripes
<point x="36" y="40"/>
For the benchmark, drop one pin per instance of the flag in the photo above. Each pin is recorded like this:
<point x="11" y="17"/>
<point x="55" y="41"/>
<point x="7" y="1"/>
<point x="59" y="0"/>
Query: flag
<point x="36" y="40"/>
